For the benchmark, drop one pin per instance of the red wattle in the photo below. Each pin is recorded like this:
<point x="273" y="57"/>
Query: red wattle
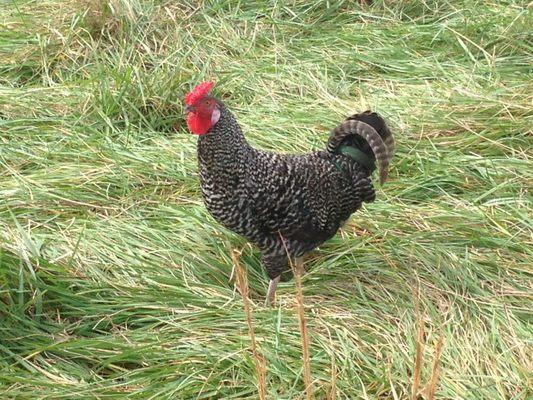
<point x="197" y="124"/>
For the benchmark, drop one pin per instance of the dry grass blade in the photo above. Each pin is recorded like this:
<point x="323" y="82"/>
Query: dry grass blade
<point x="242" y="283"/>
<point x="332" y="395"/>
<point x="419" y="344"/>
<point x="298" y="268"/>
<point x="432" y="386"/>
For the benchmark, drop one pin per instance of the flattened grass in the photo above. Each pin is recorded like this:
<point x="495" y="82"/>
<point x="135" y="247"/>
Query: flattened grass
<point x="113" y="278"/>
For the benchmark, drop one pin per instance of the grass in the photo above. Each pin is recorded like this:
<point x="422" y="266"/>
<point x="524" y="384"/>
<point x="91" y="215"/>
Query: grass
<point x="114" y="281"/>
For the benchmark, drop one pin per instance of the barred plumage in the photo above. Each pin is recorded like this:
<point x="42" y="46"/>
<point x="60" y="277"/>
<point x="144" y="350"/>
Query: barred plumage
<point x="289" y="204"/>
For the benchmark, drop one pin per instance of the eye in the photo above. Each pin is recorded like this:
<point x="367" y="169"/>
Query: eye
<point x="207" y="102"/>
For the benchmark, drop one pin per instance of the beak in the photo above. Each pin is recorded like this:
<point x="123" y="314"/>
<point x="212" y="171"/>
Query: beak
<point x="189" y="109"/>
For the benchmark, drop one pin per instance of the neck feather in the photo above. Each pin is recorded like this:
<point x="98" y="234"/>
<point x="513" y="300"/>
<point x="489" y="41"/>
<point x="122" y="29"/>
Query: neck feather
<point x="226" y="132"/>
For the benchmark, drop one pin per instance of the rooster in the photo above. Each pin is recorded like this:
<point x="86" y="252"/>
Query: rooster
<point x="285" y="204"/>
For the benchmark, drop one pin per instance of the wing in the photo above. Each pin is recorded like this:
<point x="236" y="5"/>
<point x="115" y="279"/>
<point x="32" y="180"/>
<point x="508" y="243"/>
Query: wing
<point x="295" y="196"/>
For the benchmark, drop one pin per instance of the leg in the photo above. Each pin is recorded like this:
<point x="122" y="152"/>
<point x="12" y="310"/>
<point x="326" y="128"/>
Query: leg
<point x="271" y="294"/>
<point x="274" y="264"/>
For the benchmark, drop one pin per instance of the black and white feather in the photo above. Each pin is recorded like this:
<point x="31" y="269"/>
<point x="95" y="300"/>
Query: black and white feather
<point x="289" y="204"/>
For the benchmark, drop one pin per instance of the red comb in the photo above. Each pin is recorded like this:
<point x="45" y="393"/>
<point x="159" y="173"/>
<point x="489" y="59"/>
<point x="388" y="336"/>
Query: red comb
<point x="198" y="92"/>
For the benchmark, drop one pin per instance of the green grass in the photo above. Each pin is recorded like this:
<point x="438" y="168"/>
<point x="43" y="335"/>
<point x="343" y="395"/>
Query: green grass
<point x="114" y="279"/>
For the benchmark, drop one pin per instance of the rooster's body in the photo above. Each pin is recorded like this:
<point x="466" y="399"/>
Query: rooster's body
<point x="289" y="204"/>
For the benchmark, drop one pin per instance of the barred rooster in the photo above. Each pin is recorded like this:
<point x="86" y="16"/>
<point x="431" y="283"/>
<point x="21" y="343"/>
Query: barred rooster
<point x="283" y="203"/>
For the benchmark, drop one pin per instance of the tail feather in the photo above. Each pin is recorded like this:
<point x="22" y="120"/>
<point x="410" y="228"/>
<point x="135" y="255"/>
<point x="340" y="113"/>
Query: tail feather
<point x="368" y="133"/>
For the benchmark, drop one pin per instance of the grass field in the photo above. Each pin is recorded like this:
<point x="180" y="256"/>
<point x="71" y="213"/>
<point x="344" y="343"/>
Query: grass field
<point x="114" y="280"/>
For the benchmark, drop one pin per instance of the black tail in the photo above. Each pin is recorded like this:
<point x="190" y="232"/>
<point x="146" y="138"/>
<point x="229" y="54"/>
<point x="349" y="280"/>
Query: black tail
<point x="368" y="133"/>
